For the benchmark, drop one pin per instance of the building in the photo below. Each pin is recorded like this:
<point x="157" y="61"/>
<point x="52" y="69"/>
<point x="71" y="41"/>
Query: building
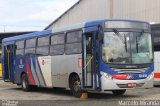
<point x="85" y="10"/>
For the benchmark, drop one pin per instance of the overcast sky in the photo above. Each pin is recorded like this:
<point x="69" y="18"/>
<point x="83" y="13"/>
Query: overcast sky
<point x="25" y="15"/>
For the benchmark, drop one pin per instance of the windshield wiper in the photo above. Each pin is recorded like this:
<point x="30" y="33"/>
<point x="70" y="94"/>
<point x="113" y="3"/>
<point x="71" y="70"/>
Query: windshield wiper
<point x="137" y="44"/>
<point x="119" y="35"/>
<point x="137" y="40"/>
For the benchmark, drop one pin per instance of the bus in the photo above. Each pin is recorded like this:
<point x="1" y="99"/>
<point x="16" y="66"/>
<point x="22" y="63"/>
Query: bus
<point x="155" y="28"/>
<point x="95" y="56"/>
<point x="0" y="61"/>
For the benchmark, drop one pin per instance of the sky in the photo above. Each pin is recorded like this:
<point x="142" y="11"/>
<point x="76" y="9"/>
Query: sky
<point x="30" y="15"/>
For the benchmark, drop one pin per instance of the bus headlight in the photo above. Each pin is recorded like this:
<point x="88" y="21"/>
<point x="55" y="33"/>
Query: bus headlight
<point x="108" y="76"/>
<point x="150" y="76"/>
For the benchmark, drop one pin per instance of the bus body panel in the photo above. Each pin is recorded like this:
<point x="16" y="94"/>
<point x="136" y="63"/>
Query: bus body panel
<point x="20" y="67"/>
<point x="62" y="67"/>
<point x="48" y="71"/>
<point x="45" y="65"/>
<point x="38" y="70"/>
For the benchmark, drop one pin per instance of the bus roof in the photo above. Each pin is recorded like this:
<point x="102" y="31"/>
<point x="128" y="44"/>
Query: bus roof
<point x="11" y="40"/>
<point x="26" y="36"/>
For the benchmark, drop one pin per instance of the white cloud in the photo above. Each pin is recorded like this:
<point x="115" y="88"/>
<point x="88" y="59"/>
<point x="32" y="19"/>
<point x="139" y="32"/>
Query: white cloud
<point x="31" y="12"/>
<point x="52" y="10"/>
<point x="2" y="3"/>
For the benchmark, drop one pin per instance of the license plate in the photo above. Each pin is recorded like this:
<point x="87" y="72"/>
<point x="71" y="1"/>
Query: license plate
<point x="132" y="84"/>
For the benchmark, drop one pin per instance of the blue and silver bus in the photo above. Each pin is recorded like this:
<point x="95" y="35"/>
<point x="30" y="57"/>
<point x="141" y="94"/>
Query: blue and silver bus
<point x="101" y="55"/>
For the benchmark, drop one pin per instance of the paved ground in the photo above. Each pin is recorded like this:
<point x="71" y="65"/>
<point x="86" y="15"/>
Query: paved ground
<point x="48" y="97"/>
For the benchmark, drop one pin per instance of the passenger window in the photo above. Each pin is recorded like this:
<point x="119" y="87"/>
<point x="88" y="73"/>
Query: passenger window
<point x="57" y="50"/>
<point x="20" y="52"/>
<point x="73" y="48"/>
<point x="43" y="46"/>
<point x="43" y="41"/>
<point x="57" y="44"/>
<point x="30" y="51"/>
<point x="19" y="48"/>
<point x="30" y="43"/>
<point x="74" y="45"/>
<point x="57" y="39"/>
<point x="74" y="36"/>
<point x="42" y="50"/>
<point x="20" y="44"/>
<point x="30" y="47"/>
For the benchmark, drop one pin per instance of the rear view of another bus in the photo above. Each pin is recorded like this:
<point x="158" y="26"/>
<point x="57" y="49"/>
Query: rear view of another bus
<point x="156" y="34"/>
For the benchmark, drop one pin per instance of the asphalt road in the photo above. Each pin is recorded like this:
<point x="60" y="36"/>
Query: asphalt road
<point x="13" y="94"/>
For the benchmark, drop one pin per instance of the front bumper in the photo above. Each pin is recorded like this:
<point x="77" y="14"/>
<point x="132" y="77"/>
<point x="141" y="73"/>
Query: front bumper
<point x="115" y="84"/>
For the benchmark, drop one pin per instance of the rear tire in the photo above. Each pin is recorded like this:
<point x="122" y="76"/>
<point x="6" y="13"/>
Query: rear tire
<point x="25" y="83"/>
<point x="76" y="86"/>
<point x="118" y="92"/>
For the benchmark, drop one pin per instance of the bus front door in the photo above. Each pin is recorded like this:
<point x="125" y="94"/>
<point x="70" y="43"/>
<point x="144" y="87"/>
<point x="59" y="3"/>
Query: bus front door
<point x="90" y="74"/>
<point x="8" y="73"/>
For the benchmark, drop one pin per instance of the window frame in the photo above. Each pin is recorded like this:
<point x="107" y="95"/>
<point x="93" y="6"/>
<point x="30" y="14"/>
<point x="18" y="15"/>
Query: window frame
<point x="30" y="39"/>
<point x="72" y="32"/>
<point x="17" y="49"/>
<point x="56" y="35"/>
<point x="51" y="45"/>
<point x="43" y="37"/>
<point x="78" y="30"/>
<point x="41" y="46"/>
<point x="19" y="41"/>
<point x="30" y="47"/>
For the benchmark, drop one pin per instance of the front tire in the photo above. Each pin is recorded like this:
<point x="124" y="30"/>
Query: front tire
<point x="118" y="92"/>
<point x="25" y="83"/>
<point x="76" y="86"/>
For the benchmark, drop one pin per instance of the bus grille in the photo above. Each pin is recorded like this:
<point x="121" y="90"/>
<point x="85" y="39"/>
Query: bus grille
<point x="122" y="71"/>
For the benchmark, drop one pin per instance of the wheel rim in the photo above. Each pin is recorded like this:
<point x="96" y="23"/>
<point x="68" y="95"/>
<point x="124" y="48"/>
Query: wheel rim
<point x="76" y="85"/>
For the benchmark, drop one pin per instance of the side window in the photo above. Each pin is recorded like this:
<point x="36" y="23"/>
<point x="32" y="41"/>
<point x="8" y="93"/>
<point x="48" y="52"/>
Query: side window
<point x="57" y="44"/>
<point x="30" y="47"/>
<point x="73" y="37"/>
<point x="43" y="41"/>
<point x="43" y="46"/>
<point x="31" y="43"/>
<point x="74" y="45"/>
<point x="57" y="39"/>
<point x="20" y="48"/>
<point x="20" y="44"/>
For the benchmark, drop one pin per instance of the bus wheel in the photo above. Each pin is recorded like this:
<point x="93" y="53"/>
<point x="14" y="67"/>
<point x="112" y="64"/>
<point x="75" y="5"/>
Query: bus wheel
<point x="118" y="92"/>
<point x="76" y="86"/>
<point x="25" y="83"/>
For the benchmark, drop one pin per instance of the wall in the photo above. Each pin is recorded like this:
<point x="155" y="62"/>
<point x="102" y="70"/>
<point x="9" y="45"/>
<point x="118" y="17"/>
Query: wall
<point x="86" y="10"/>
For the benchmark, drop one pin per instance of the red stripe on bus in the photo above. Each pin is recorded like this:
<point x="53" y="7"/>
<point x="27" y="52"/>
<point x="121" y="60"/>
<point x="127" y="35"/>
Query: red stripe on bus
<point x="29" y="73"/>
<point x="156" y="75"/>
<point x="120" y="76"/>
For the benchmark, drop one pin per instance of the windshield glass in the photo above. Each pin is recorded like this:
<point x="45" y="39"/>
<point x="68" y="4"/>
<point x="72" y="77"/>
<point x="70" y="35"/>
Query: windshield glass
<point x="127" y="47"/>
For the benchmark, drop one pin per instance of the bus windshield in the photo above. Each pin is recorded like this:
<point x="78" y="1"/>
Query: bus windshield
<point x="127" y="47"/>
